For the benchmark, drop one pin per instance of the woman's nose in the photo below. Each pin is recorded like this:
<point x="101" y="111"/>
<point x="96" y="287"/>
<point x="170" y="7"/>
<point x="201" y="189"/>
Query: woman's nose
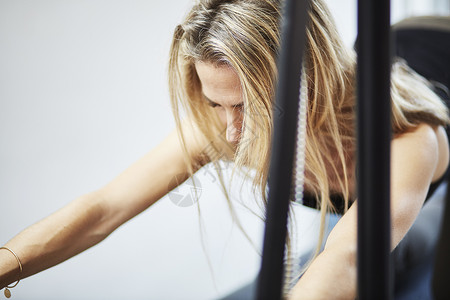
<point x="234" y="125"/>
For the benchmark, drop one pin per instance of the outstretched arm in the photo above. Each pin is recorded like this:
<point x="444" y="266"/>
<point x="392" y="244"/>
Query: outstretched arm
<point x="418" y="158"/>
<point x="92" y="217"/>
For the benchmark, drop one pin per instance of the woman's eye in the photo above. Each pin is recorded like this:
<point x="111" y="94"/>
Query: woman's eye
<point x="212" y="104"/>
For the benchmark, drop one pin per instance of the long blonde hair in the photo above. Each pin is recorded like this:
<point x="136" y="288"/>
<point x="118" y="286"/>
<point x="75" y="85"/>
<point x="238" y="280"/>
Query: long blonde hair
<point x="245" y="35"/>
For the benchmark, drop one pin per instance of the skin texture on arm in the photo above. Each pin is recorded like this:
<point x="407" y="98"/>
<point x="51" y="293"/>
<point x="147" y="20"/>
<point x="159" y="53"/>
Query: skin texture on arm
<point x="417" y="158"/>
<point x="92" y="217"/>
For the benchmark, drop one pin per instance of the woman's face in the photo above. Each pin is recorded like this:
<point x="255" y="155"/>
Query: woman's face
<point x="221" y="89"/>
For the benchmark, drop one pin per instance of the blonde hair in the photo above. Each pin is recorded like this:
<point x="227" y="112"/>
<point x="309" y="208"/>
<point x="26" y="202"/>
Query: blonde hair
<point x="245" y="35"/>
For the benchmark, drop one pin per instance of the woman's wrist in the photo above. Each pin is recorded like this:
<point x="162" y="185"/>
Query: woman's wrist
<point x="10" y="267"/>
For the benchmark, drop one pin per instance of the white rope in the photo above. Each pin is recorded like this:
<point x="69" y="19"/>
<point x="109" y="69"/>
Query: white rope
<point x="292" y="263"/>
<point x="301" y="141"/>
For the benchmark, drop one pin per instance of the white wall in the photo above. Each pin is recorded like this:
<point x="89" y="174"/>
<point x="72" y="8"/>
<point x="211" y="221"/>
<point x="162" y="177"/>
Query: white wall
<point x="345" y="13"/>
<point x="406" y="8"/>
<point x="82" y="95"/>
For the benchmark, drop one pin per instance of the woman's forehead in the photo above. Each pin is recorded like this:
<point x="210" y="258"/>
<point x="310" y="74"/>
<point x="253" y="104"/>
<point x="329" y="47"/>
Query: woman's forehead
<point x="221" y="84"/>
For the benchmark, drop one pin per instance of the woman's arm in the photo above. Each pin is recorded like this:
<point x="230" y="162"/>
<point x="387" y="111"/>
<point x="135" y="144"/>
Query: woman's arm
<point x="417" y="159"/>
<point x="92" y="217"/>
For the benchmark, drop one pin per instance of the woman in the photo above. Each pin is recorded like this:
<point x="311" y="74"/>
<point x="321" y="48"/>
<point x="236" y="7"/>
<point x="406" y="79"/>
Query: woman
<point x="222" y="74"/>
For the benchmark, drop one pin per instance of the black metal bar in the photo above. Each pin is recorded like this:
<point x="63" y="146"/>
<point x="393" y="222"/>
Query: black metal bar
<point x="270" y="279"/>
<point x="441" y="273"/>
<point x="374" y="136"/>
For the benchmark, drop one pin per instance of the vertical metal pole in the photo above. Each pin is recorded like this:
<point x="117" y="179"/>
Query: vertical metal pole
<point x="270" y="279"/>
<point x="374" y="136"/>
<point x="441" y="273"/>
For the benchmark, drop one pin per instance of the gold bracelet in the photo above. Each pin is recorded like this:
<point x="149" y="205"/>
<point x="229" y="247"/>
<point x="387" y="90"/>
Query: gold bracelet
<point x="7" y="291"/>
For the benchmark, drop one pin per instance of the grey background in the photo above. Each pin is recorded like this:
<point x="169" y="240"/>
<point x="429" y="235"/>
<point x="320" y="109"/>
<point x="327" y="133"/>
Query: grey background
<point x="83" y="94"/>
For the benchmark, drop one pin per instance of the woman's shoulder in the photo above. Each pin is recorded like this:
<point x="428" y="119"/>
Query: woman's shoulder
<point x="422" y="132"/>
<point x="426" y="141"/>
